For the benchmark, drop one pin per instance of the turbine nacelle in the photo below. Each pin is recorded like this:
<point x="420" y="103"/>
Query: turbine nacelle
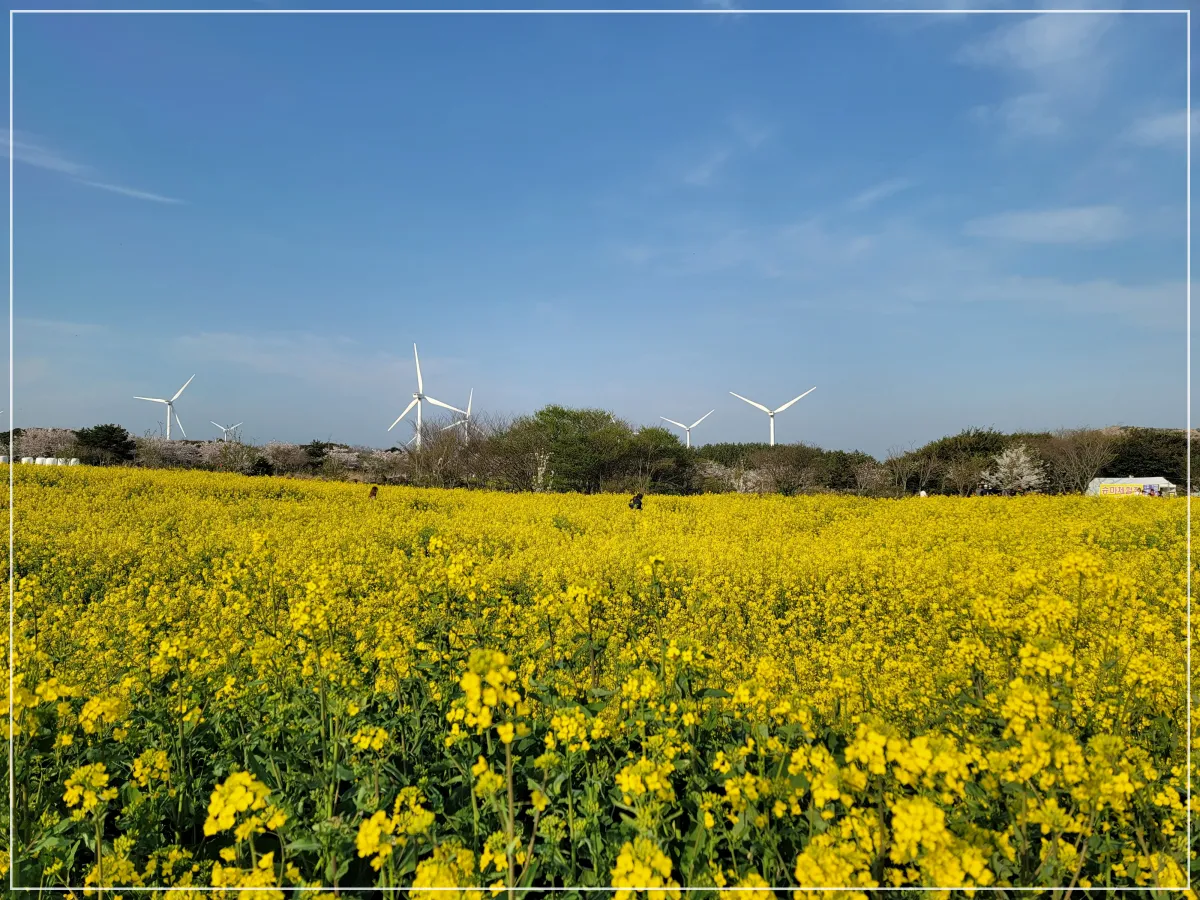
<point x="419" y="398"/>
<point x="170" y="404"/>
<point x="771" y="412"/>
<point x="687" y="429"/>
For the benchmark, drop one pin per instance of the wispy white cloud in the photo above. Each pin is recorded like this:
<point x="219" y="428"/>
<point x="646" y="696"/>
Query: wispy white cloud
<point x="1058" y="63"/>
<point x="752" y="133"/>
<point x="1164" y="130"/>
<point x="129" y="192"/>
<point x="30" y="151"/>
<point x="1024" y="115"/>
<point x="742" y="134"/>
<point x="33" y="154"/>
<point x="1071" y="225"/>
<point x="1041" y="43"/>
<point x="328" y="361"/>
<point x="879" y="192"/>
<point x="703" y="172"/>
<point x="901" y="265"/>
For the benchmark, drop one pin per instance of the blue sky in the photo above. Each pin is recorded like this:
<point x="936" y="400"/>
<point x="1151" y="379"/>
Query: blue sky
<point x="939" y="222"/>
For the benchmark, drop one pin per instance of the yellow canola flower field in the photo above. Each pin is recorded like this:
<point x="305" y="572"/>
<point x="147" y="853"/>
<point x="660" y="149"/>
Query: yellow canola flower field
<point x="227" y="682"/>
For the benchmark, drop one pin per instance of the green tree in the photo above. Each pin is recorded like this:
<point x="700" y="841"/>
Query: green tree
<point x="316" y="451"/>
<point x="1149" y="452"/>
<point x="729" y="454"/>
<point x="105" y="445"/>
<point x="658" y="459"/>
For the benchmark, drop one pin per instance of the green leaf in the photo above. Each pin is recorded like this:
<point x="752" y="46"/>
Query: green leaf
<point x="715" y="693"/>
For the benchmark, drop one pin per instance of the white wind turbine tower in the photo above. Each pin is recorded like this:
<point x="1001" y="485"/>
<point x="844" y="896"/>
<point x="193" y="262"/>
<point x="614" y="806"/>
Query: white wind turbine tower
<point x="772" y="412"/>
<point x="687" y="429"/>
<point x="170" y="407"/>
<point x="465" y="421"/>
<point x="418" y="398"/>
<point x="225" y="432"/>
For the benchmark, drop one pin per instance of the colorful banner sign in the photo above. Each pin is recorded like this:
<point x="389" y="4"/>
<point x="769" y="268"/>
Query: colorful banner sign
<point x="1122" y="490"/>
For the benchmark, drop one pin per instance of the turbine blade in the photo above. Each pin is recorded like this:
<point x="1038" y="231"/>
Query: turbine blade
<point x="177" y="422"/>
<point x="151" y="399"/>
<point x="231" y="427"/>
<point x="790" y="402"/>
<point x="445" y="405"/>
<point x="703" y="417"/>
<point x="455" y="424"/>
<point x="420" y="384"/>
<point x="407" y="410"/>
<point x="470" y="397"/>
<point x="222" y="427"/>
<point x="751" y="402"/>
<point x="181" y="390"/>
<point x="673" y="422"/>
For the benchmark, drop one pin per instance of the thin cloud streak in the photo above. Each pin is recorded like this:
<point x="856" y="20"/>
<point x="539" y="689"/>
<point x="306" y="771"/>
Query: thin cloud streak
<point x="747" y="136"/>
<point x="27" y="150"/>
<point x="129" y="192"/>
<point x="879" y="192"/>
<point x="1025" y="115"/>
<point x="1165" y="130"/>
<point x="1073" y="225"/>
<point x="904" y="265"/>
<point x="338" y="362"/>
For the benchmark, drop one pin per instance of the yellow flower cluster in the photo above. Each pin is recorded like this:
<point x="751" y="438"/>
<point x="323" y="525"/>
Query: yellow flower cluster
<point x="451" y="866"/>
<point x="241" y="792"/>
<point x="378" y="835"/>
<point x="487" y="687"/>
<point x="643" y="868"/>
<point x="830" y="691"/>
<point x="87" y="788"/>
<point x="369" y="738"/>
<point x="646" y="777"/>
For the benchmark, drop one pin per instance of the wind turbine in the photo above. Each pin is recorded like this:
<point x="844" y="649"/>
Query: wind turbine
<point x="170" y="407"/>
<point x="687" y="429"/>
<point x="633" y="429"/>
<point x="225" y="432"/>
<point x="772" y="412"/>
<point x="418" y="398"/>
<point x="466" y="420"/>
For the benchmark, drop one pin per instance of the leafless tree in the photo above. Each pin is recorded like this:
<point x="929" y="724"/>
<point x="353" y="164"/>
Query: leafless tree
<point x="1078" y="455"/>
<point x="929" y="468"/>
<point x="159" y="453"/>
<point x="713" y="478"/>
<point x="901" y="465"/>
<point x="871" y="478"/>
<point x="965" y="474"/>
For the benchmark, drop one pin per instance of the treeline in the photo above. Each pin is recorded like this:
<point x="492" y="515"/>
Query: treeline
<point x="589" y="451"/>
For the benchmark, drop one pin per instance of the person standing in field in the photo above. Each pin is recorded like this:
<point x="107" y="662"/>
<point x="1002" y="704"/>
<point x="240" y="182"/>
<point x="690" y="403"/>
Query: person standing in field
<point x="374" y="492"/>
<point x="636" y="502"/>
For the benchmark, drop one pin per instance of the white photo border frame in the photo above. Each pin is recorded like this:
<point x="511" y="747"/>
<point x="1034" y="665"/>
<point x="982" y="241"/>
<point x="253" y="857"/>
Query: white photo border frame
<point x="1186" y="13"/>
